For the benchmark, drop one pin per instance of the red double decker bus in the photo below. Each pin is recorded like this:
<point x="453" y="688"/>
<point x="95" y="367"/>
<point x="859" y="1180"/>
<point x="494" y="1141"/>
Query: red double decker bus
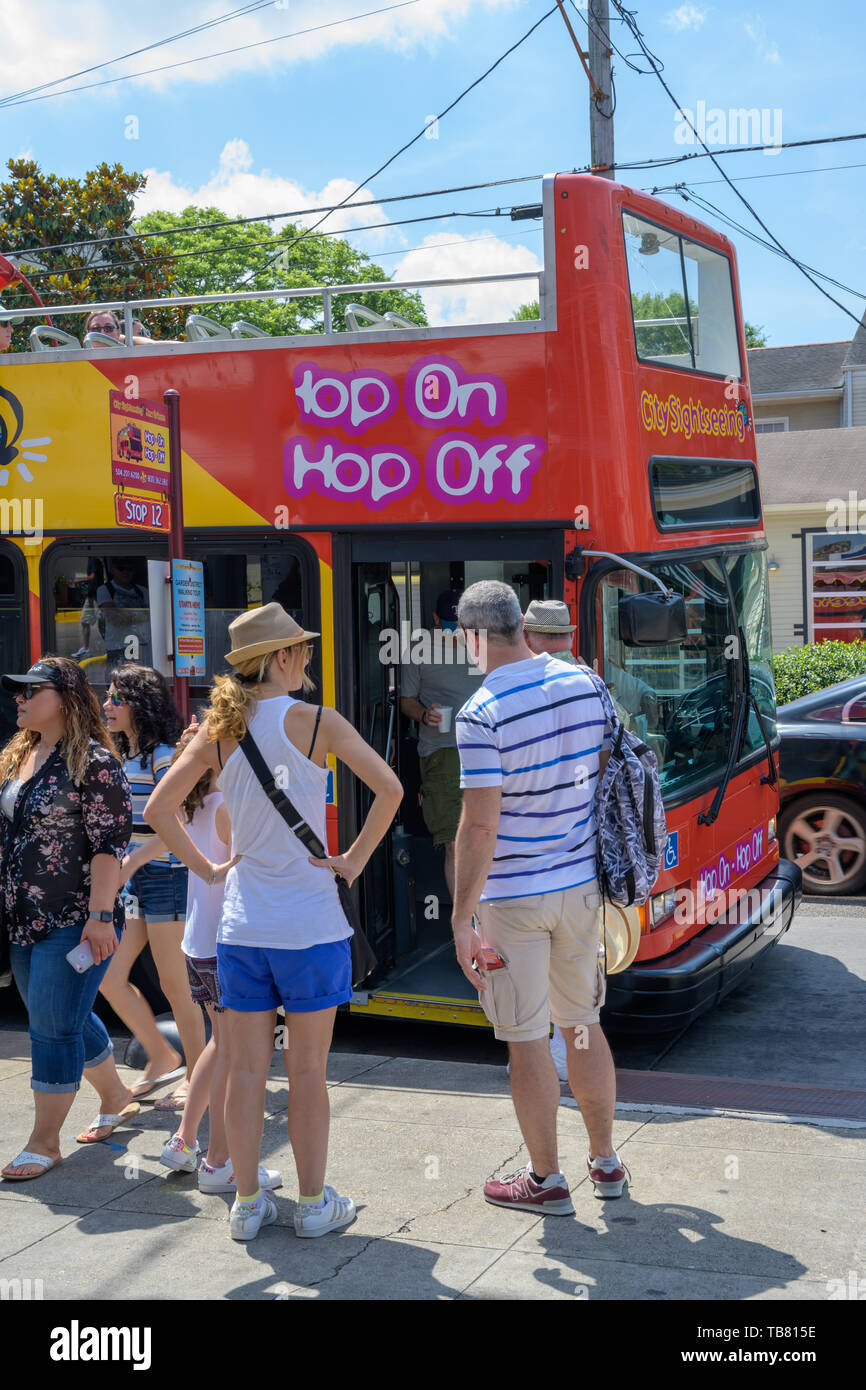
<point x="604" y="450"/>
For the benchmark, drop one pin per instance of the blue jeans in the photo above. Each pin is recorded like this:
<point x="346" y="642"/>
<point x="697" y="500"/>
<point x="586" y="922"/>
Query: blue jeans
<point x="65" y="1035"/>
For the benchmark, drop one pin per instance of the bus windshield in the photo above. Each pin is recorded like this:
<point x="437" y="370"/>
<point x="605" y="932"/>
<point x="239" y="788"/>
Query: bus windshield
<point x="681" y="699"/>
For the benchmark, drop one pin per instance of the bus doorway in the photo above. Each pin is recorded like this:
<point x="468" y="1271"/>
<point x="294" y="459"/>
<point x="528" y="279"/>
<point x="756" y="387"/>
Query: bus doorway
<point x="397" y="656"/>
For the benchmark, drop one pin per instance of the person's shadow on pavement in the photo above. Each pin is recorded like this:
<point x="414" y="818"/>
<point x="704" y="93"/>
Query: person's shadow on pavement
<point x="692" y="1258"/>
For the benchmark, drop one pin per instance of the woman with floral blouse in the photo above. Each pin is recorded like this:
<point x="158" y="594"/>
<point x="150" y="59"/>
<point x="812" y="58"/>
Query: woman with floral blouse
<point x="65" y="820"/>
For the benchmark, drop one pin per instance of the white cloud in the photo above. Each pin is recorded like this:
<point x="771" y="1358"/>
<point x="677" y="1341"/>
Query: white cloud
<point x="765" y="47"/>
<point x="42" y="41"/>
<point x="237" y="190"/>
<point x="686" y="17"/>
<point x="443" y="255"/>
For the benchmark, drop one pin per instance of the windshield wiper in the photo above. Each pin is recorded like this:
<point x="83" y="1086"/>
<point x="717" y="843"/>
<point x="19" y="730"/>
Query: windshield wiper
<point x="746" y="700"/>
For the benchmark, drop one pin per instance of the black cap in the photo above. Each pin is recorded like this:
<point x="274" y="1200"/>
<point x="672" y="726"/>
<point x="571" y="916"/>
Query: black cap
<point x="37" y="675"/>
<point x="446" y="605"/>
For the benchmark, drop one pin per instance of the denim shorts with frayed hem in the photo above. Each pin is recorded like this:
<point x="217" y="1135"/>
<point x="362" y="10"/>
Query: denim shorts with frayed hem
<point x="254" y="979"/>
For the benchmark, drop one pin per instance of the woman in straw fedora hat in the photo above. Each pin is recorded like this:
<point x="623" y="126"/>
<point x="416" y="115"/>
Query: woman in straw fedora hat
<point x="283" y="937"/>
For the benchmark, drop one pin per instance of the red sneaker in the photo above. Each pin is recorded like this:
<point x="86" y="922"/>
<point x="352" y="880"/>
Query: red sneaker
<point x="608" y="1175"/>
<point x="520" y="1190"/>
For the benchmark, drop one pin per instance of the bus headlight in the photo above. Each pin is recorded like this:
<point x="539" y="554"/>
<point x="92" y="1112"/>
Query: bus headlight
<point x="662" y="905"/>
<point x="771" y="829"/>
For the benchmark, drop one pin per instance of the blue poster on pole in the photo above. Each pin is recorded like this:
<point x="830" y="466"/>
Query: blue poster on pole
<point x="187" y="598"/>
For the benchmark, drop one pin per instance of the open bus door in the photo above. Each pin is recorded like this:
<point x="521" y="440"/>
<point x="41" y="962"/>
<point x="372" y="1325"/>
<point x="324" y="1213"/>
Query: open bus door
<point x="389" y="583"/>
<point x="377" y="611"/>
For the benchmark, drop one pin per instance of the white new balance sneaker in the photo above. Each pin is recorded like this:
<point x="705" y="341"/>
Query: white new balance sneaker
<point x="246" y="1219"/>
<point x="337" y="1212"/>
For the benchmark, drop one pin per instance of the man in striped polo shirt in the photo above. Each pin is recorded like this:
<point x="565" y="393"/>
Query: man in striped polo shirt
<point x="532" y="740"/>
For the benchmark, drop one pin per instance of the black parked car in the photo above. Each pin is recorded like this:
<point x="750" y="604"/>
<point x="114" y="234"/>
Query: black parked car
<point x="822" y="822"/>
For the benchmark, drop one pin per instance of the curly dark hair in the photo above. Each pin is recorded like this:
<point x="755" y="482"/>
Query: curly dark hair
<point x="154" y="716"/>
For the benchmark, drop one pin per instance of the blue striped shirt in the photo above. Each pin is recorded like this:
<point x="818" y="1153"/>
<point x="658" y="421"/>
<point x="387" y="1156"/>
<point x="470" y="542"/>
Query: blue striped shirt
<point x="535" y="728"/>
<point x="142" y="781"/>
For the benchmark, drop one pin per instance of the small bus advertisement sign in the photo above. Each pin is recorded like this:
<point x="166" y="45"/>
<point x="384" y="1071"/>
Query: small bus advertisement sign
<point x="139" y="442"/>
<point x="143" y="513"/>
<point x="187" y="591"/>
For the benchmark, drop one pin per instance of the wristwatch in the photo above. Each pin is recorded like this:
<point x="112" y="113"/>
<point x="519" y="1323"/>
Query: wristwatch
<point x="100" y="916"/>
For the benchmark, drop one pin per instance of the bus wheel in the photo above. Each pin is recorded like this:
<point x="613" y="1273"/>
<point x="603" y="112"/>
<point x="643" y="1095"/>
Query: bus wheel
<point x="826" y="835"/>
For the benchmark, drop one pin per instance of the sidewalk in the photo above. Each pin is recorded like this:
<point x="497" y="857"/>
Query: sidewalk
<point x="719" y="1208"/>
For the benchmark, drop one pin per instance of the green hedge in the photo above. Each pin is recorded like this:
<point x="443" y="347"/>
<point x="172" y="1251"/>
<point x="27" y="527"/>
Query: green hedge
<point x="801" y="670"/>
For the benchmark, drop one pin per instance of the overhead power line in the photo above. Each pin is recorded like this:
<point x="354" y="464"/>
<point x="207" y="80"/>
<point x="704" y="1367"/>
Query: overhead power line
<point x="205" y="57"/>
<point x="244" y="10"/>
<point x="628" y="15"/>
<point x="232" y="248"/>
<point x="274" y="216"/>
<point x="422" y="132"/>
<point x="711" y="210"/>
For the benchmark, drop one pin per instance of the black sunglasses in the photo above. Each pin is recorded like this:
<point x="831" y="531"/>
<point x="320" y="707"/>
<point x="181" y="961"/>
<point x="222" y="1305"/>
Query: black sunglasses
<point x="28" y="691"/>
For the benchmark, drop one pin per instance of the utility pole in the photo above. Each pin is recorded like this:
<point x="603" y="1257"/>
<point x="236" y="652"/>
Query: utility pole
<point x="601" y="106"/>
<point x="596" y="65"/>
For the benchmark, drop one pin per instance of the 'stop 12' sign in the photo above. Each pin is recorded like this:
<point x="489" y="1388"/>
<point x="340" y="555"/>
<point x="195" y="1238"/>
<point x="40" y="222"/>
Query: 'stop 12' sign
<point x="139" y="442"/>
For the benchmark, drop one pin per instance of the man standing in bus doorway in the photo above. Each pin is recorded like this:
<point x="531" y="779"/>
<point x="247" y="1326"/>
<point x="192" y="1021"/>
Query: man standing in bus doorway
<point x="124" y="609"/>
<point x="532" y="741"/>
<point x="432" y="693"/>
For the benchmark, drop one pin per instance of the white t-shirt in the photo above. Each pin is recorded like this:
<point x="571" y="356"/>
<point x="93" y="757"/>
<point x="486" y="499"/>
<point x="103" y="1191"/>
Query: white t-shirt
<point x="274" y="897"/>
<point x="204" y="901"/>
<point x="535" y="728"/>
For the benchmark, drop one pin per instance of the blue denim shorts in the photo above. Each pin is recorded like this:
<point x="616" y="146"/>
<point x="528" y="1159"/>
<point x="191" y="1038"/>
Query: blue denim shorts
<point x="159" y="891"/>
<point x="253" y="979"/>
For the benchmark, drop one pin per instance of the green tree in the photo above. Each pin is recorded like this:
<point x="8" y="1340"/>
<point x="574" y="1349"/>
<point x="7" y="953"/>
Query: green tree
<point x="531" y="310"/>
<point x="224" y="258"/>
<point x="39" y="210"/>
<point x="755" y="337"/>
<point x="668" y="340"/>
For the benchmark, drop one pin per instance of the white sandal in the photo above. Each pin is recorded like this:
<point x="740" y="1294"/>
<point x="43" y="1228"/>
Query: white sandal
<point x="27" y="1158"/>
<point x="109" y="1122"/>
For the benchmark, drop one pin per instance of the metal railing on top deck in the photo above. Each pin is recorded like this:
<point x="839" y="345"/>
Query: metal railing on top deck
<point x="129" y="307"/>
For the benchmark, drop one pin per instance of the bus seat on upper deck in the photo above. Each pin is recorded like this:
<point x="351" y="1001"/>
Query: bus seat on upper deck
<point x="57" y="339"/>
<point x="398" y="321"/>
<point x="101" y="340"/>
<point x="242" y="329"/>
<point x="358" y="317"/>
<point x="199" y="328"/>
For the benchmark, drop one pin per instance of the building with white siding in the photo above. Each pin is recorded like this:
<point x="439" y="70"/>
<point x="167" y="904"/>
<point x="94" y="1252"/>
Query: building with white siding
<point x="809" y="404"/>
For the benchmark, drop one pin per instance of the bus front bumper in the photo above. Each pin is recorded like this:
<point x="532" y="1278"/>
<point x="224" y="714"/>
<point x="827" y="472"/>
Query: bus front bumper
<point x="664" y="995"/>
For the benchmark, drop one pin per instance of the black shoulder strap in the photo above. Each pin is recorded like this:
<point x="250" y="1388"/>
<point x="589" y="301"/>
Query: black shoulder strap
<point x="294" y="820"/>
<point x="315" y="731"/>
<point x="219" y="755"/>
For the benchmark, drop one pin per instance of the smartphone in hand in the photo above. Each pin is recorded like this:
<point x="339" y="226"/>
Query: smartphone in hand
<point x="80" y="957"/>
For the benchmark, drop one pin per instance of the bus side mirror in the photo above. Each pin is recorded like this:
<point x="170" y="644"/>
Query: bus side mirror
<point x="648" y="620"/>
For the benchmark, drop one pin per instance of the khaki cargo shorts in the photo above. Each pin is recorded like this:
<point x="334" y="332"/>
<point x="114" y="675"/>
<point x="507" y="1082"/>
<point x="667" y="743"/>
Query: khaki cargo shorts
<point x="442" y="798"/>
<point x="552" y="946"/>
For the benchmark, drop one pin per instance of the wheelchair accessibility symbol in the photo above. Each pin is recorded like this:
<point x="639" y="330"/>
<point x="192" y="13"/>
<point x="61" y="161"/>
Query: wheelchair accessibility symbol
<point x="672" y="850"/>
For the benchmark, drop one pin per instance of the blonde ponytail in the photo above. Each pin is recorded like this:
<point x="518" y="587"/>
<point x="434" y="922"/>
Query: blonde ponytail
<point x="233" y="698"/>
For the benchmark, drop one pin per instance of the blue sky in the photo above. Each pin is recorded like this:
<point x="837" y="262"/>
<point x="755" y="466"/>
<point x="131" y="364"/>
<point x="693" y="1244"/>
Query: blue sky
<point x="293" y="123"/>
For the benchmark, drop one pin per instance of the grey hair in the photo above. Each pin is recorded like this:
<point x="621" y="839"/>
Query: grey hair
<point x="493" y="608"/>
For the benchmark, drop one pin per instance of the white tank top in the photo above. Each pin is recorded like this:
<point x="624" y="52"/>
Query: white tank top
<point x="203" y="901"/>
<point x="274" y="897"/>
